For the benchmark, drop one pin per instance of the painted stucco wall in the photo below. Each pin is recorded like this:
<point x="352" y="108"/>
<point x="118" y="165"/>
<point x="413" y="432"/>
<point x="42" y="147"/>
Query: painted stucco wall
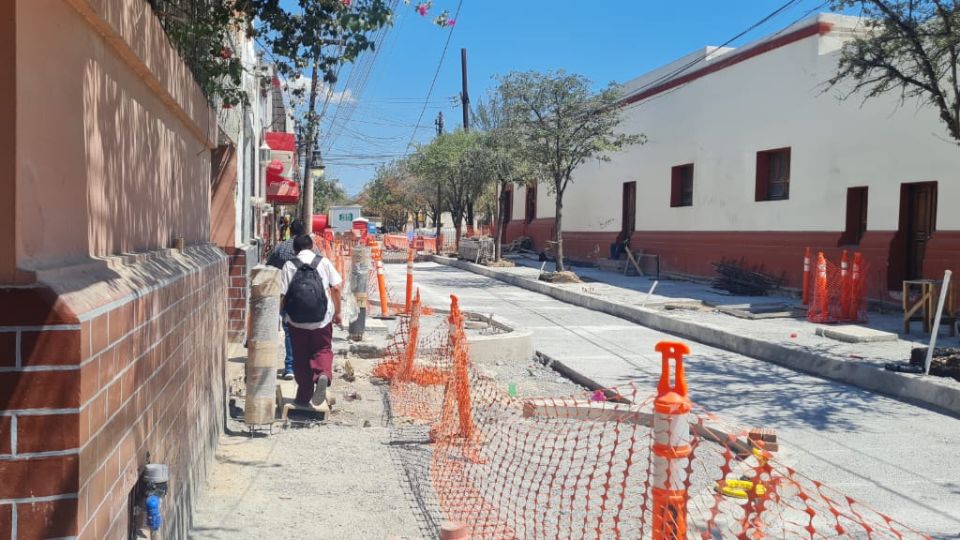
<point x="113" y="134"/>
<point x="546" y="205"/>
<point x="775" y="99"/>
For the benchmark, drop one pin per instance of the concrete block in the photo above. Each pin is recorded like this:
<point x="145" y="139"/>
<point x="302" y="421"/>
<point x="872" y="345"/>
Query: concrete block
<point x="850" y="333"/>
<point x="585" y="410"/>
<point x="376" y="326"/>
<point x="513" y="344"/>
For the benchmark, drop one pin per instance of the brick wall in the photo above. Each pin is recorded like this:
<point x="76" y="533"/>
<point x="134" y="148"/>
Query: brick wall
<point x="100" y="367"/>
<point x="241" y="261"/>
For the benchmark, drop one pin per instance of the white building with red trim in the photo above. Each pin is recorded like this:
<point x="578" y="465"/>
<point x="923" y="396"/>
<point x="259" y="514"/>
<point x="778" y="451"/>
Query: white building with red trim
<point x="751" y="156"/>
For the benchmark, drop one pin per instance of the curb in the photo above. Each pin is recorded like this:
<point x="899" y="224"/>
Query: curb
<point x="941" y="396"/>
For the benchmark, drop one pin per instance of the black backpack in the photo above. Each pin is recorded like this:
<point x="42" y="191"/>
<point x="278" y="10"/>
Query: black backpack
<point x="306" y="298"/>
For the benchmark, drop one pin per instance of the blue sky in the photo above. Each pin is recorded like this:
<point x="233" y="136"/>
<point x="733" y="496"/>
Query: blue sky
<point x="605" y="41"/>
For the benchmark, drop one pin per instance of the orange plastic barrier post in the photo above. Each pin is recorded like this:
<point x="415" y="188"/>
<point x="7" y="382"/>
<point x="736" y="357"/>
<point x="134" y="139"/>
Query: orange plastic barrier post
<point x="410" y="352"/>
<point x="409" y="297"/>
<point x="806" y="277"/>
<point x="857" y="289"/>
<point x="461" y="368"/>
<point x="381" y="282"/>
<point x="845" y="287"/>
<point x="671" y="446"/>
<point x="822" y="293"/>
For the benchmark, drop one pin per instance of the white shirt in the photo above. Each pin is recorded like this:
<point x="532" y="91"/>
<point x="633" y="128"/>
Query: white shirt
<point x="329" y="276"/>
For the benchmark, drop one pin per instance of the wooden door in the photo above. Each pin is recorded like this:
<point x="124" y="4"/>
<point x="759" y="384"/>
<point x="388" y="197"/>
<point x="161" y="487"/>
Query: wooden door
<point x="921" y="224"/>
<point x="629" y="216"/>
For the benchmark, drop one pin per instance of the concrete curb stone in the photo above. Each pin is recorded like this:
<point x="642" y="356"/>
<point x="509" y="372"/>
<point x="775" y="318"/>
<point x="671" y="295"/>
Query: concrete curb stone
<point x="941" y="395"/>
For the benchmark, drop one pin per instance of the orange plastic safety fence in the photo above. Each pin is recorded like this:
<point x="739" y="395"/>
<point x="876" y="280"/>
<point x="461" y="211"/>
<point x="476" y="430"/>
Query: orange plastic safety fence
<point x="614" y="463"/>
<point x="839" y="292"/>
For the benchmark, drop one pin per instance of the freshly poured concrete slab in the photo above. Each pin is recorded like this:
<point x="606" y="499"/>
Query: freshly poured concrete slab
<point x="851" y="333"/>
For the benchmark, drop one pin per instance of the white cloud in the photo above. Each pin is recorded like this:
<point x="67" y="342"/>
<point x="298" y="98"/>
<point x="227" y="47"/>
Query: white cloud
<point x="303" y="82"/>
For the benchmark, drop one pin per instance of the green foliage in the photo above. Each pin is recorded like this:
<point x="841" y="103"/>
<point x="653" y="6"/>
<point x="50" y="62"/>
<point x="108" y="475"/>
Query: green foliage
<point x="326" y="32"/>
<point x="202" y="31"/>
<point x="454" y="163"/>
<point x="561" y="124"/>
<point x="388" y="195"/>
<point x="910" y="47"/>
<point x="327" y="193"/>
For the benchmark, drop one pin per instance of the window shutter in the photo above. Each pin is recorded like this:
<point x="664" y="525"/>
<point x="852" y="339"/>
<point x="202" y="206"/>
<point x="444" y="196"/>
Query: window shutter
<point x="676" y="186"/>
<point x="763" y="176"/>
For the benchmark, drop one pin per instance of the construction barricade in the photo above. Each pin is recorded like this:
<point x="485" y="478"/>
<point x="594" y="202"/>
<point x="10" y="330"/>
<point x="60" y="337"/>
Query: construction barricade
<point x="839" y="293"/>
<point x="623" y="462"/>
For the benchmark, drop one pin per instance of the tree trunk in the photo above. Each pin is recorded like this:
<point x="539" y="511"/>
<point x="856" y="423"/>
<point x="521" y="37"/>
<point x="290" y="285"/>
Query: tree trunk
<point x="558" y="234"/>
<point x="470" y="222"/>
<point x="498" y="222"/>
<point x="438" y="215"/>
<point x="456" y="214"/>
<point x="306" y="198"/>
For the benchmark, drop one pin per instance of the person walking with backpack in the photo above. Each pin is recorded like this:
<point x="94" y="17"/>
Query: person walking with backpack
<point x="310" y="299"/>
<point x="279" y="256"/>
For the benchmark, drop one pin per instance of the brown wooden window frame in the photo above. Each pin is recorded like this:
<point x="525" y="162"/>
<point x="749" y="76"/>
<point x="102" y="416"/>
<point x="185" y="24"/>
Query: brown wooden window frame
<point x="681" y="185"/>
<point x="773" y="169"/>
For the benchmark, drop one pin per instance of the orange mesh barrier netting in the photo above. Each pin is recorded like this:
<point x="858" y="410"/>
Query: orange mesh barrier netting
<point x="617" y="463"/>
<point x="839" y="293"/>
<point x="417" y="364"/>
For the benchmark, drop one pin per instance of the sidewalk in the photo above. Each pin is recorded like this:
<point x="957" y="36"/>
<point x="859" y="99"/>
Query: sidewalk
<point x="771" y="340"/>
<point x="344" y="478"/>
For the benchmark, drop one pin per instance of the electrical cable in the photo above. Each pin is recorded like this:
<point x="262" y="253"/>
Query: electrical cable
<point x="436" y="74"/>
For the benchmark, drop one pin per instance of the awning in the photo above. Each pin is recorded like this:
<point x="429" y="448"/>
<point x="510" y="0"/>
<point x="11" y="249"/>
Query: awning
<point x="278" y="140"/>
<point x="279" y="189"/>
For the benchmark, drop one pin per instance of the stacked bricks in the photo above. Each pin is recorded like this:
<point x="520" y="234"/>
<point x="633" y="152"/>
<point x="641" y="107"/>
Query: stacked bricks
<point x="241" y="261"/>
<point x="86" y="397"/>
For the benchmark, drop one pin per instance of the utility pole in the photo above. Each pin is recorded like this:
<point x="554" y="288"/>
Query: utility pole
<point x="306" y="203"/>
<point x="464" y="95"/>
<point x="465" y="104"/>
<point x="436" y="216"/>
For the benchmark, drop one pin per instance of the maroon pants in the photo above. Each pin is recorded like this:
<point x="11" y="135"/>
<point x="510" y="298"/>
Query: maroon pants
<point x="312" y="356"/>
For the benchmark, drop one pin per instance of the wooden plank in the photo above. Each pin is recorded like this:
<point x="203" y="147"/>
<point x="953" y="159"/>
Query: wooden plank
<point x="632" y="261"/>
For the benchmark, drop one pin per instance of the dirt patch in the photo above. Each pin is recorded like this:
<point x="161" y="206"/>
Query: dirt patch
<point x="500" y="264"/>
<point x="945" y="362"/>
<point x="560" y="277"/>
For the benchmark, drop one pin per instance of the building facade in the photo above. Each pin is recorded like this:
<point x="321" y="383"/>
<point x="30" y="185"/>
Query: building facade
<point x="751" y="156"/>
<point x="112" y="296"/>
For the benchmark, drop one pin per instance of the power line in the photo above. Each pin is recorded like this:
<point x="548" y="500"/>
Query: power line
<point x="436" y="74"/>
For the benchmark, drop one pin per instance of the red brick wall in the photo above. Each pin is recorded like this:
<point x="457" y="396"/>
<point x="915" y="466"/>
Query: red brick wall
<point x="97" y="374"/>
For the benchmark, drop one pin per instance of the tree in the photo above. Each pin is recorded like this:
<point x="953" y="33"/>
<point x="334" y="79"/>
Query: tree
<point x="505" y="161"/>
<point x="321" y="35"/>
<point x="442" y="164"/>
<point x="562" y="124"/>
<point x="908" y="46"/>
<point x="327" y="193"/>
<point x="386" y="197"/>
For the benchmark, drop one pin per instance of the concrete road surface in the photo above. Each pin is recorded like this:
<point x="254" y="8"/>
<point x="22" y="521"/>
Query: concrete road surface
<point x="897" y="458"/>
